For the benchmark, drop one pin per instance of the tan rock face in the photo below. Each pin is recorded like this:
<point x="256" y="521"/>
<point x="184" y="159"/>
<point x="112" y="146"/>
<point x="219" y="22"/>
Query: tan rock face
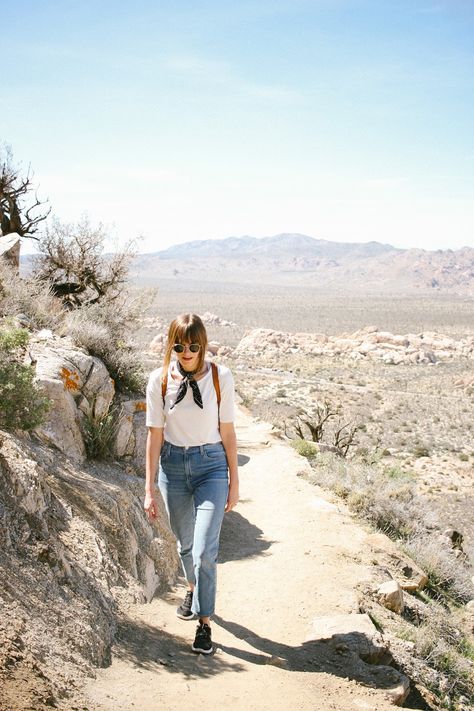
<point x="78" y="384"/>
<point x="76" y="546"/>
<point x="132" y="432"/>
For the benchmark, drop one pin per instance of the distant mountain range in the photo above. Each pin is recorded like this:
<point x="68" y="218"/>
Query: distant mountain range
<point x="289" y="245"/>
<point x="304" y="260"/>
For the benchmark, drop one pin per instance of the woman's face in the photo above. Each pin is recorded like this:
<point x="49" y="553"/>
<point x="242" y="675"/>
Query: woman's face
<point x="188" y="359"/>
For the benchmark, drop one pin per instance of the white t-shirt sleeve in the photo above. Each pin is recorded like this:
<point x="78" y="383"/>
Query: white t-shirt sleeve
<point x="227" y="406"/>
<point x="155" y="416"/>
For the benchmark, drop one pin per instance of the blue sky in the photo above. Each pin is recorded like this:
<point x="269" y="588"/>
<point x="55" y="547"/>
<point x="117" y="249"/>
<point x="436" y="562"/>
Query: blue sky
<point x="347" y="120"/>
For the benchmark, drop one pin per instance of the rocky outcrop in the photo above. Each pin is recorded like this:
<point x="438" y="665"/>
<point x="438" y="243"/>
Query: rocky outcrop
<point x="77" y="383"/>
<point x="365" y="344"/>
<point x="75" y="551"/>
<point x="366" y="653"/>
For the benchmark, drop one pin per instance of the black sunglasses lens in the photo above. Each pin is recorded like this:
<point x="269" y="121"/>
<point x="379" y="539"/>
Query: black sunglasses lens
<point x="179" y="348"/>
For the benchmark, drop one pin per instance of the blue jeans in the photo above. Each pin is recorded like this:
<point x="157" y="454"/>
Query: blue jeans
<point x="193" y="482"/>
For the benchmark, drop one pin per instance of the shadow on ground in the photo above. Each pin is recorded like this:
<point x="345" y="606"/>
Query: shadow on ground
<point x="315" y="656"/>
<point x="154" y="649"/>
<point x="240" y="539"/>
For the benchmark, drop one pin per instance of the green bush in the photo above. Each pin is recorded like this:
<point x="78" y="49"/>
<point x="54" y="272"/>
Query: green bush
<point x="22" y="404"/>
<point x="305" y="448"/>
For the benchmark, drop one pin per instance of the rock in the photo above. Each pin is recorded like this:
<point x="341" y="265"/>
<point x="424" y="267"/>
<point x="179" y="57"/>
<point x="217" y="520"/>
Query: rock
<point x="10" y="248"/>
<point x="356" y="631"/>
<point x="398" y="693"/>
<point x="79" y="550"/>
<point x="409" y="576"/>
<point x="210" y="318"/>
<point x="277" y="662"/>
<point x="131" y="434"/>
<point x="365" y="652"/>
<point x="390" y="595"/>
<point x="45" y="334"/>
<point x="78" y="384"/>
<point x="213" y="347"/>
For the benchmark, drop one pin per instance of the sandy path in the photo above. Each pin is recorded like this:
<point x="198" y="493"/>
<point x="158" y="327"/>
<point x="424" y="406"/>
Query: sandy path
<point x="287" y="555"/>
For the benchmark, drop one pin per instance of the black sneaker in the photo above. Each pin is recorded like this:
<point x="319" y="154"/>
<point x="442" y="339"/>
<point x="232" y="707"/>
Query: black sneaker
<point x="202" y="641"/>
<point x="184" y="611"/>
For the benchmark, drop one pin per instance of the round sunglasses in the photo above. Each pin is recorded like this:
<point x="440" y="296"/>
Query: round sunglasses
<point x="193" y="347"/>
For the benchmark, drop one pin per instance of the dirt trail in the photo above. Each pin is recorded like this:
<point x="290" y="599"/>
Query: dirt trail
<point x="288" y="554"/>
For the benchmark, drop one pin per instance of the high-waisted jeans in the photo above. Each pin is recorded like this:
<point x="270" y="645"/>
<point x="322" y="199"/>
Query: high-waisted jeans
<point x="194" y="484"/>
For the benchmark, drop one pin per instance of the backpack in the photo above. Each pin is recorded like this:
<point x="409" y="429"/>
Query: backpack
<point x="215" y="380"/>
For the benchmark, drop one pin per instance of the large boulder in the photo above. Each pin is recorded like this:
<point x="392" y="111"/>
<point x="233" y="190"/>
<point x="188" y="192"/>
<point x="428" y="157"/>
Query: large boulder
<point x="78" y="384"/>
<point x="366" y="653"/>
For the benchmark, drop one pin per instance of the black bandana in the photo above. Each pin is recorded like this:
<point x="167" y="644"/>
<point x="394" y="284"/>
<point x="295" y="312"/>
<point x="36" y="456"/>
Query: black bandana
<point x="188" y="377"/>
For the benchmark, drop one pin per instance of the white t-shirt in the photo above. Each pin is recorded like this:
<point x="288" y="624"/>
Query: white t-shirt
<point x="186" y="425"/>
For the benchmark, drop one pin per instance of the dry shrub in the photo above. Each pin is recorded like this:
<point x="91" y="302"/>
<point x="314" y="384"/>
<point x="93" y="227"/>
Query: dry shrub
<point x="387" y="501"/>
<point x="449" y="577"/>
<point x="444" y="648"/>
<point x="105" y="330"/>
<point x="28" y="296"/>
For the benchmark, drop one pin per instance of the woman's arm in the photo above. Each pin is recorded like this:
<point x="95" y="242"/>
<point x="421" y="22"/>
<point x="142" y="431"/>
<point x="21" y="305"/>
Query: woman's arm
<point x="229" y="441"/>
<point x="154" y="443"/>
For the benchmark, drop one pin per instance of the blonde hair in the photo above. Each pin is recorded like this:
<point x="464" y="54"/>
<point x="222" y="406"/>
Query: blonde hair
<point x="186" y="328"/>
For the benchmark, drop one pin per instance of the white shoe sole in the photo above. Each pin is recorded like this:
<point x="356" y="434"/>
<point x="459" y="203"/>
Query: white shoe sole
<point x="187" y="617"/>
<point x="202" y="651"/>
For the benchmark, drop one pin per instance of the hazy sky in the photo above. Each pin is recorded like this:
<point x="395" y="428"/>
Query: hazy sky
<point x="348" y="120"/>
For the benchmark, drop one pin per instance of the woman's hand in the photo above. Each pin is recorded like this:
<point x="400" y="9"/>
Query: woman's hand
<point x="150" y="507"/>
<point x="233" y="497"/>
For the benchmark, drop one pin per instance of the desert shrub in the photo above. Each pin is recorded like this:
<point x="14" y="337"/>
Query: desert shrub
<point x="420" y="450"/>
<point x="388" y="502"/>
<point x="442" y="646"/>
<point x="22" y="404"/>
<point x="100" y="432"/>
<point x="305" y="448"/>
<point x="29" y="296"/>
<point x="104" y="329"/>
<point x="449" y="578"/>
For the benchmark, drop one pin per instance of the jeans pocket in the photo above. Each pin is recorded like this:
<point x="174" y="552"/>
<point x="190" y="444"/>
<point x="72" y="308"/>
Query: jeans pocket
<point x="165" y="451"/>
<point x="215" y="453"/>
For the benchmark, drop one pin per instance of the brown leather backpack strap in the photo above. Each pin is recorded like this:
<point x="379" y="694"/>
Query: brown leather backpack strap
<point x="164" y="386"/>
<point x="217" y="387"/>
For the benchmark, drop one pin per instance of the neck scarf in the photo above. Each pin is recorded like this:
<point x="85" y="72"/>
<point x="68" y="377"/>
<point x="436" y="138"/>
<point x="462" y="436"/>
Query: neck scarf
<point x="188" y="378"/>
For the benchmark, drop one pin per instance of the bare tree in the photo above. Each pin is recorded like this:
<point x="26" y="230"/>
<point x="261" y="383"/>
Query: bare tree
<point x="343" y="440"/>
<point x="18" y="209"/>
<point x="72" y="260"/>
<point x="316" y="422"/>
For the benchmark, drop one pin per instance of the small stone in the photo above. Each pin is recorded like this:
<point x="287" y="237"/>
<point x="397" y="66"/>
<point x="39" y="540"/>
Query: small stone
<point x="390" y="595"/>
<point x="277" y="662"/>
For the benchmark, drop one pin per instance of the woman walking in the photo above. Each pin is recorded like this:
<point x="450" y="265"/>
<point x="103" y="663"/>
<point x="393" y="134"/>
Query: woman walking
<point x="190" y="420"/>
